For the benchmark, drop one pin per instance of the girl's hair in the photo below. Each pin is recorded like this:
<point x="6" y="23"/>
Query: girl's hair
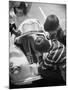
<point x="51" y="23"/>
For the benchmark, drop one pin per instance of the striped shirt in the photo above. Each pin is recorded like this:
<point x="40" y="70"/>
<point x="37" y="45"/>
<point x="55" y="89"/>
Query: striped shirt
<point x="56" y="57"/>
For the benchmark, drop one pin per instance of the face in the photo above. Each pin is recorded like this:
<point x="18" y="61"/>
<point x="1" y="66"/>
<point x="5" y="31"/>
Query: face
<point x="19" y="12"/>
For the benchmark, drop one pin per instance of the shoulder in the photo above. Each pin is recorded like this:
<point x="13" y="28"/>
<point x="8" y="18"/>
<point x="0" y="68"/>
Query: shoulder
<point x="58" y="51"/>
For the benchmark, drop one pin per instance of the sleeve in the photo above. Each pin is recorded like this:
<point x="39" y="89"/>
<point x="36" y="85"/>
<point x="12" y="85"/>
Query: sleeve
<point x="48" y="63"/>
<point x="45" y="67"/>
<point x="62" y="65"/>
<point x="54" y="57"/>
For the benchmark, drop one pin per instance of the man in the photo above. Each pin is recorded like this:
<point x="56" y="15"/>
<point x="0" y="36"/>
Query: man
<point x="22" y="9"/>
<point x="18" y="12"/>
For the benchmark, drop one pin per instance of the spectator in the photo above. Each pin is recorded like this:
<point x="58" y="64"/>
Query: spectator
<point x="18" y="12"/>
<point x="22" y="8"/>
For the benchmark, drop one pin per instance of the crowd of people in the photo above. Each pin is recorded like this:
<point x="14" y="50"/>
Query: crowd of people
<point x="46" y="52"/>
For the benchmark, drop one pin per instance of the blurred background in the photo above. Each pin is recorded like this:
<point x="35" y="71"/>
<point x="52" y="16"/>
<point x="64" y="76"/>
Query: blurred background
<point x="42" y="10"/>
<point x="57" y="9"/>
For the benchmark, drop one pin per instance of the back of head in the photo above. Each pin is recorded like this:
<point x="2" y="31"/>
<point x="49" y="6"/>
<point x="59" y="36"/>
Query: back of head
<point x="51" y="23"/>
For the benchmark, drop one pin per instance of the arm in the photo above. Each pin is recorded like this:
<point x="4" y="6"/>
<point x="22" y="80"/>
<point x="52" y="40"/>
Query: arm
<point x="12" y="29"/>
<point x="45" y="67"/>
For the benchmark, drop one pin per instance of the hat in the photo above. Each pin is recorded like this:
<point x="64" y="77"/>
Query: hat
<point x="30" y="25"/>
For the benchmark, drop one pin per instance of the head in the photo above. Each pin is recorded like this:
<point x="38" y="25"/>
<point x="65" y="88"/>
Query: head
<point x="38" y="40"/>
<point x="41" y="42"/>
<point x="21" y="9"/>
<point x="51" y="25"/>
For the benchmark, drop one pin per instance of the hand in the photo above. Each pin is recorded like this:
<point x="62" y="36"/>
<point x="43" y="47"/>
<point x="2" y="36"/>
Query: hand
<point x="34" y="68"/>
